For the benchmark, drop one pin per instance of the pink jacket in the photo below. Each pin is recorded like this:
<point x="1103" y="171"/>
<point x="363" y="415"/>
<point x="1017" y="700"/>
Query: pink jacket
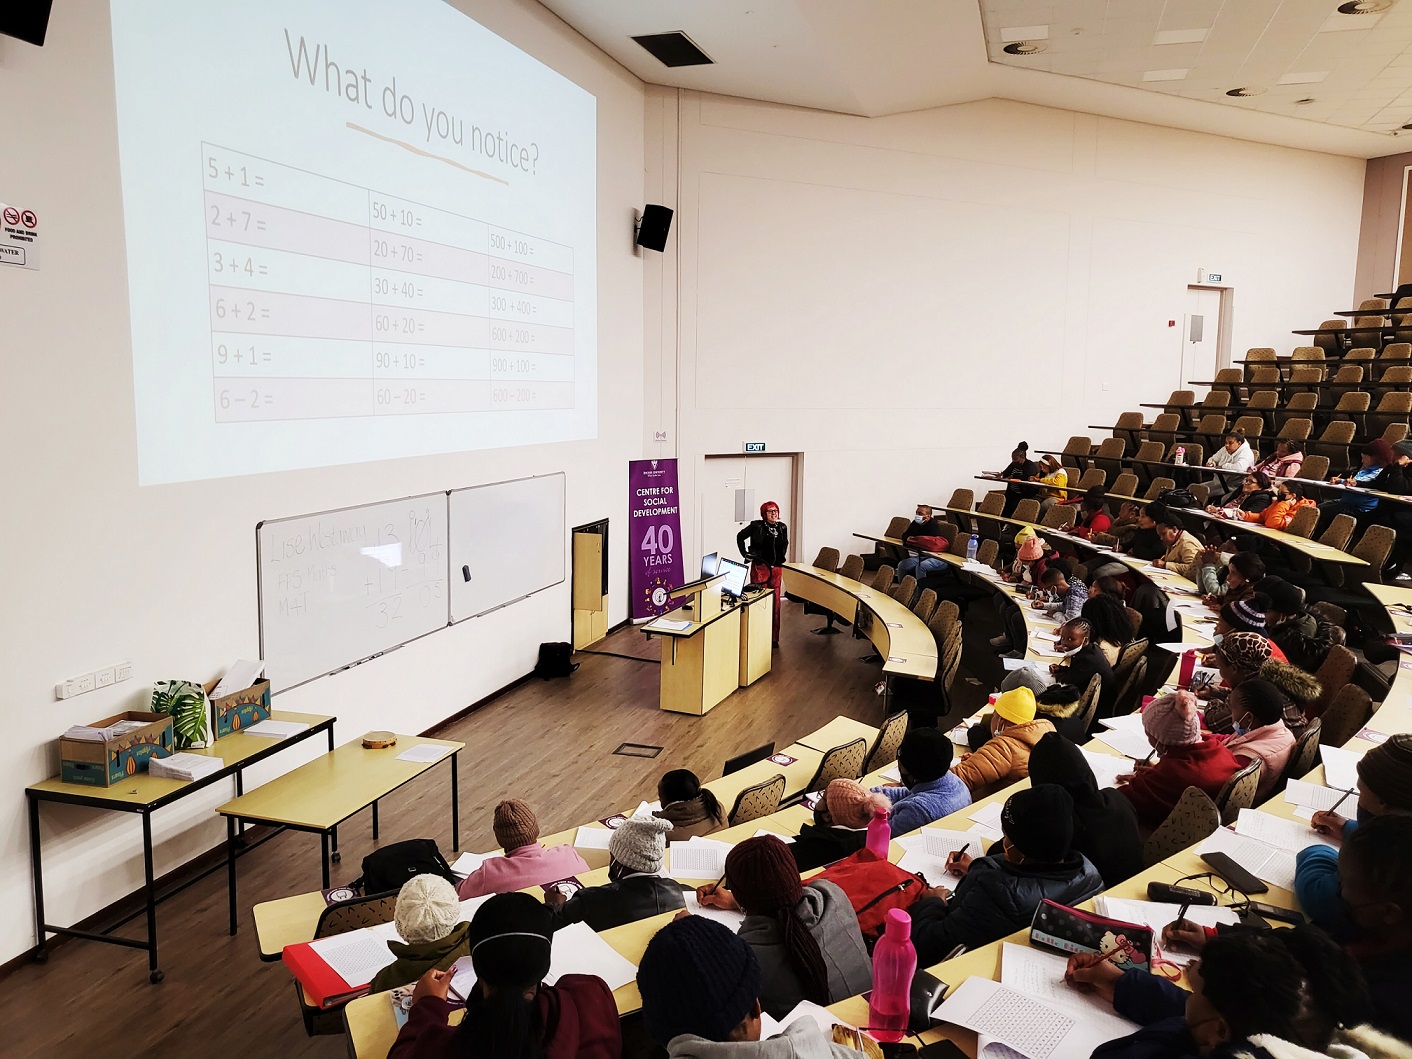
<point x="1269" y="744"/>
<point x="526" y="866"/>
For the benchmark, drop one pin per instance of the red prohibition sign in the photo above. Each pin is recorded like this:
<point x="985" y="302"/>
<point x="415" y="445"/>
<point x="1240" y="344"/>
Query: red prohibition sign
<point x="29" y="219"/>
<point x="12" y="215"/>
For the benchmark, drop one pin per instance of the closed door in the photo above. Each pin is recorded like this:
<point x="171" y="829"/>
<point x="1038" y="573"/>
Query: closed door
<point x="1201" y="338"/>
<point x="768" y="477"/>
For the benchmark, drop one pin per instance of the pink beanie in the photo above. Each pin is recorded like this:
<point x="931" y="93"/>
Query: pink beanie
<point x="850" y="804"/>
<point x="1170" y="720"/>
<point x="1030" y="550"/>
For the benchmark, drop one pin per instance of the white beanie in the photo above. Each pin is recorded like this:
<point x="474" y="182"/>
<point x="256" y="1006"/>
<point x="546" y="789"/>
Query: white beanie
<point x="427" y="909"/>
<point x="640" y="842"/>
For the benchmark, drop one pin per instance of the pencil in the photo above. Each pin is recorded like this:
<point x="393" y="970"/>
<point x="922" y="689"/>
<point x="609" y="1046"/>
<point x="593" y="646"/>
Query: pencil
<point x="1341" y="800"/>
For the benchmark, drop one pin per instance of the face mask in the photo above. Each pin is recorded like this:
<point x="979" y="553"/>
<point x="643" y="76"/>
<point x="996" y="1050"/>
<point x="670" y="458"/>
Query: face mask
<point x="1239" y="728"/>
<point x="917" y="518"/>
<point x="1218" y="637"/>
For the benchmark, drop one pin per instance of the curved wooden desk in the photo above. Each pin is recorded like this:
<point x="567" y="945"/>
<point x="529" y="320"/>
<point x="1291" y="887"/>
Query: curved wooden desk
<point x="904" y="641"/>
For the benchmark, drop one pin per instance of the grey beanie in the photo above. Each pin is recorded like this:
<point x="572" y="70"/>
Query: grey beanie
<point x="640" y="842"/>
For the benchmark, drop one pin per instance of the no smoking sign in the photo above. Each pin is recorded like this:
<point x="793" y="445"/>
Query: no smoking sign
<point x="19" y="237"/>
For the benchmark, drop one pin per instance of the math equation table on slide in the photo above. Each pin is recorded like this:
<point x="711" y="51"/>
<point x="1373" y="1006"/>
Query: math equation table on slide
<point x="329" y="300"/>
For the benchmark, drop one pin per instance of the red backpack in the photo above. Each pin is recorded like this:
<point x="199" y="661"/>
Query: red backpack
<point x="874" y="887"/>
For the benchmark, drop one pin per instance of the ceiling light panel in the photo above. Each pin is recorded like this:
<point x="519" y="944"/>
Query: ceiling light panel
<point x="1179" y="36"/>
<point x="1011" y="34"/>
<point x="1303" y="78"/>
<point x="1164" y="75"/>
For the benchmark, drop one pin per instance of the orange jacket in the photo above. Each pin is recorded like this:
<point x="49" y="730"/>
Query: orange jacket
<point x="1278" y="515"/>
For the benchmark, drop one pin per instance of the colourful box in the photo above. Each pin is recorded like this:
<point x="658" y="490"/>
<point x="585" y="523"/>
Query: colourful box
<point x="237" y="711"/>
<point x="95" y="764"/>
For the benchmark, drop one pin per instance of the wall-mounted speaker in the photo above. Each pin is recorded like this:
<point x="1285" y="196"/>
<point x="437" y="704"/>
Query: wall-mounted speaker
<point x="653" y="228"/>
<point x="26" y="19"/>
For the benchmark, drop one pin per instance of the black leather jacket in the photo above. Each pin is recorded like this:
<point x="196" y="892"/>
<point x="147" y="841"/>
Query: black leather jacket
<point x="626" y="901"/>
<point x="758" y="545"/>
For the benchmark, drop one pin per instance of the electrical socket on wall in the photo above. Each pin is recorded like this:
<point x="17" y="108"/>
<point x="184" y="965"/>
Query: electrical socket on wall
<point x="99" y="678"/>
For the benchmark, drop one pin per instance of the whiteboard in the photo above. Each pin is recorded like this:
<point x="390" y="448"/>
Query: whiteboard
<point x="508" y="541"/>
<point x="340" y="587"/>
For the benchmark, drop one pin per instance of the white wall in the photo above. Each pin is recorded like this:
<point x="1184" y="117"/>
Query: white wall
<point x="903" y="299"/>
<point x="103" y="571"/>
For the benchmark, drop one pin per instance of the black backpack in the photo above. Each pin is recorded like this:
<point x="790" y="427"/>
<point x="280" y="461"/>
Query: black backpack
<point x="1177" y="498"/>
<point x="554" y="661"/>
<point x="386" y="869"/>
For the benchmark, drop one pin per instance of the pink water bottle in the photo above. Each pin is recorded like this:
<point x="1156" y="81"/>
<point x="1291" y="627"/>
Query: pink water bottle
<point x="1188" y="667"/>
<point x="879" y="833"/>
<point x="894" y="964"/>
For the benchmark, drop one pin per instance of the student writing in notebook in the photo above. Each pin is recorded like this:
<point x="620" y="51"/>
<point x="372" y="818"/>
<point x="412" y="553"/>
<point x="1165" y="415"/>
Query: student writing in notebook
<point x="428" y="918"/>
<point x="526" y="862"/>
<point x="634" y="890"/>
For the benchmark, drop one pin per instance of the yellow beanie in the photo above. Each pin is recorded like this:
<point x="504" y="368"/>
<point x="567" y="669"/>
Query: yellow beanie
<point x="1016" y="706"/>
<point x="1026" y="532"/>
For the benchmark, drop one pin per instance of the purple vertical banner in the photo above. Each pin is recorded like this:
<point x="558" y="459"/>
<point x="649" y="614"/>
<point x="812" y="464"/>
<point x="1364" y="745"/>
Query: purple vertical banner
<point x="654" y="535"/>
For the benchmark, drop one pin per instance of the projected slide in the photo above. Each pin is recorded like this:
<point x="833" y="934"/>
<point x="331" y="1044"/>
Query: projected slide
<point x="355" y="231"/>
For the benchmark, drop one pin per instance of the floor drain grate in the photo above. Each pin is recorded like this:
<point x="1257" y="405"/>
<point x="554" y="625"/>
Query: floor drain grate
<point x="637" y="750"/>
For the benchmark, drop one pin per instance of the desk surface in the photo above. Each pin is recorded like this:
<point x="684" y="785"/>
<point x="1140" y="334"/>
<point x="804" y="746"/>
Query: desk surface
<point x="911" y="647"/>
<point x="1304" y="545"/>
<point x="331" y="788"/>
<point x="710" y="606"/>
<point x="145" y="789"/>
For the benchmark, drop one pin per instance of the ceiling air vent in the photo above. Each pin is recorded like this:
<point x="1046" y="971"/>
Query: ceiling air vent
<point x="1242" y="93"/>
<point x="674" y="49"/>
<point x="1025" y="47"/>
<point x="1364" y="7"/>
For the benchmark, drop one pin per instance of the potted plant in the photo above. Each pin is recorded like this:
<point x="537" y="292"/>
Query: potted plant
<point x="185" y="703"/>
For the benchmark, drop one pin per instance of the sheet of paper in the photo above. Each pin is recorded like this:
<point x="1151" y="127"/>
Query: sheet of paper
<point x="424" y="753"/>
<point x="1040" y="975"/>
<point x="1290" y="835"/>
<point x="989" y="834"/>
<point x="1127" y="722"/>
<point x="786" y="839"/>
<point x="1034" y="1029"/>
<point x="938" y="842"/>
<point x="592" y="837"/>
<point x="1012" y="664"/>
<point x="1297" y="792"/>
<point x="276" y="729"/>
<point x="241" y="674"/>
<point x="669" y="626"/>
<point x="355" y="956"/>
<point x="463" y="979"/>
<point x="1157" y="914"/>
<point x="1107" y="767"/>
<point x="1130" y="744"/>
<point x="892" y="775"/>
<point x="1340" y="766"/>
<point x="720" y="915"/>
<point x="989" y="815"/>
<point x="823" y="1018"/>
<point x="692" y="860"/>
<point x="1267" y="863"/>
<point x="933" y="869"/>
<point x="578" y="950"/>
<point x="469" y="862"/>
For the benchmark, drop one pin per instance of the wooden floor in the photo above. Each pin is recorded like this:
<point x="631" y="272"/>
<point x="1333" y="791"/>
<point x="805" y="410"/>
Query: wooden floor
<point x="550" y="743"/>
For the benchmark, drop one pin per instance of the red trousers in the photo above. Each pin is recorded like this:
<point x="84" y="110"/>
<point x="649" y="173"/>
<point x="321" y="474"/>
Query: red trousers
<point x="760" y="574"/>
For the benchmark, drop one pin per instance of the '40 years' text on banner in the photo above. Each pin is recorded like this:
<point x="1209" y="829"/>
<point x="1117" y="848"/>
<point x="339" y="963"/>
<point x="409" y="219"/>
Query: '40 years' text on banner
<point x="654" y="535"/>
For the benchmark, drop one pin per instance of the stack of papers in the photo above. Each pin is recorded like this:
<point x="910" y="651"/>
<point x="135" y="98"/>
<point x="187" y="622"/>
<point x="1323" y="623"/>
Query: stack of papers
<point x="1340" y="766"/>
<point x="469" y="862"/>
<point x="184" y="766"/>
<point x="1312" y="796"/>
<point x="88" y="734"/>
<point x="592" y="838"/>
<point x="1267" y="863"/>
<point x="786" y="839"/>
<point x="355" y="956"/>
<point x="989" y="815"/>
<point x="241" y="675"/>
<point x="1033" y="1028"/>
<point x="1040" y="975"/>
<point x="1106" y="767"/>
<point x="1289" y="835"/>
<point x="825" y="1019"/>
<point x="576" y="949"/>
<point x="698" y="858"/>
<point x="424" y="753"/>
<point x="276" y="729"/>
<point x="1126" y="722"/>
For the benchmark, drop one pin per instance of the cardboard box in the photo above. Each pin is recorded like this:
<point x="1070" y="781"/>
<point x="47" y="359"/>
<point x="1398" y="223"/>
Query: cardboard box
<point x="112" y="761"/>
<point x="240" y="709"/>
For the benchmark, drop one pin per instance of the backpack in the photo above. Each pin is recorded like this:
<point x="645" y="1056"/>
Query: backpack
<point x="928" y="544"/>
<point x="554" y="661"/>
<point x="874" y="887"/>
<point x="386" y="869"/>
<point x="1178" y="497"/>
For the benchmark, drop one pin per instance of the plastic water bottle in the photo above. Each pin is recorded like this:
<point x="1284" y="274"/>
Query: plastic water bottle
<point x="973" y="546"/>
<point x="894" y="964"/>
<point x="879" y="833"/>
<point x="1179" y="455"/>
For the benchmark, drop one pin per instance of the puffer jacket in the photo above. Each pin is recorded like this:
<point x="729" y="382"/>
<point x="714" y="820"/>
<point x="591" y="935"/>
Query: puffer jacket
<point x="629" y="899"/>
<point x="827" y="914"/>
<point x="1301" y="689"/>
<point x="1003" y="759"/>
<point x="1305" y="640"/>
<point x="1277" y="515"/>
<point x="996" y="898"/>
<point x="1270" y="744"/>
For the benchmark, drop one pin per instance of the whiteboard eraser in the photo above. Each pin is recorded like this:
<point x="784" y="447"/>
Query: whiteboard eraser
<point x="466" y="572"/>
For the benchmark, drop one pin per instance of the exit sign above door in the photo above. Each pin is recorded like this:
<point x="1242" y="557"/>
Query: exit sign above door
<point x="754" y="446"/>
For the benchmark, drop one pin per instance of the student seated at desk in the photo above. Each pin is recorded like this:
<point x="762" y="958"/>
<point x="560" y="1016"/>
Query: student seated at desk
<point x="1242" y="656"/>
<point x="1110" y="620"/>
<point x="1373" y="458"/>
<point x="922" y="532"/>
<point x="1251" y="497"/>
<point x="1001" y="753"/>
<point x="1082" y="662"/>
<point x="1243" y="570"/>
<point x="1105" y="824"/>
<point x="635" y="891"/>
<point x="1284" y="461"/>
<point x="1055" y="475"/>
<point x="1020" y="469"/>
<point x="1254" y="995"/>
<point x="1257" y="715"/>
<point x="1093" y="515"/>
<point x="806" y="937"/>
<point x="1242" y="615"/>
<point x="701" y="987"/>
<point x="1187" y="759"/>
<point x="1304" y="637"/>
<point x="929" y="790"/>
<point x="1067" y="592"/>
<point x="999" y="893"/>
<point x="692" y="809"/>
<point x="1183" y="550"/>
<point x="1384" y="788"/>
<point x="1289" y="501"/>
<point x="428" y="918"/>
<point x="840" y="824"/>
<point x="526" y="862"/>
<point x="511" y="1012"/>
<point x="1233" y="455"/>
